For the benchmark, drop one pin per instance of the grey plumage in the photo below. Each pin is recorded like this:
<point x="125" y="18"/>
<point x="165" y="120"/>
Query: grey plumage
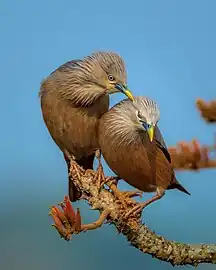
<point x="84" y="81"/>
<point x="125" y="116"/>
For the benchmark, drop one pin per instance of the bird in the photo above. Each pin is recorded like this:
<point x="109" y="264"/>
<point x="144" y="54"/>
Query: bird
<point x="133" y="147"/>
<point x="73" y="98"/>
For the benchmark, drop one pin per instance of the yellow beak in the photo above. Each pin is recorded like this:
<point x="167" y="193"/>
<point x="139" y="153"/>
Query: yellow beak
<point x="125" y="90"/>
<point x="128" y="93"/>
<point x="151" y="133"/>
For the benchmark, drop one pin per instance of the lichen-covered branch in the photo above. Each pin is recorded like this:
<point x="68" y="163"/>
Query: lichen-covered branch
<point x="192" y="156"/>
<point x="207" y="110"/>
<point x="112" y="208"/>
<point x="68" y="222"/>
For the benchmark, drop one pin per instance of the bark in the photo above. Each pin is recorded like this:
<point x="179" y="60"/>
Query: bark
<point x="139" y="235"/>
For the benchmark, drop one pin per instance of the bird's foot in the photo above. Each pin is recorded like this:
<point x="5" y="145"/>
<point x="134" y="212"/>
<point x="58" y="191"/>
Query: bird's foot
<point x="68" y="222"/>
<point x="99" y="178"/>
<point x="140" y="206"/>
<point x="135" y="210"/>
<point x="133" y="193"/>
<point x="125" y="197"/>
<point x="75" y="169"/>
<point x="111" y="180"/>
<point x="90" y="171"/>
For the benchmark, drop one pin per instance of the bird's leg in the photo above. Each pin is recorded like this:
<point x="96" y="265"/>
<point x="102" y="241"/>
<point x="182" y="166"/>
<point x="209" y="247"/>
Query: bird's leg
<point x="112" y="181"/>
<point x="133" y="193"/>
<point x="119" y="194"/>
<point x="140" y="206"/>
<point x="99" y="178"/>
<point x="73" y="166"/>
<point x="122" y="196"/>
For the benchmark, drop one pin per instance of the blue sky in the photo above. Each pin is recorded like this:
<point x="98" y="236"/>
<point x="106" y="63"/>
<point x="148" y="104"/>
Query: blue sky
<point x="169" y="48"/>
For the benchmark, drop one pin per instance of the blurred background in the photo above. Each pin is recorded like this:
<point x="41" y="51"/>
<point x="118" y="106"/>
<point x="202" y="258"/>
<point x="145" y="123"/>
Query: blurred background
<point x="169" y="48"/>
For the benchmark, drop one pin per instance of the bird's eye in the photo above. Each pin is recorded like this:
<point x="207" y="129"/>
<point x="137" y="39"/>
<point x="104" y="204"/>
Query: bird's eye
<point x="111" y="78"/>
<point x="146" y="126"/>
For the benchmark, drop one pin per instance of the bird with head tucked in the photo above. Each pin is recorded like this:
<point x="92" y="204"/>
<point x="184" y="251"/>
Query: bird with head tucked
<point x="133" y="147"/>
<point x="74" y="97"/>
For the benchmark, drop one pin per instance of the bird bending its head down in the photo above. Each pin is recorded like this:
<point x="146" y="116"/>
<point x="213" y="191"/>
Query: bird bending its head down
<point x="134" y="149"/>
<point x="127" y="121"/>
<point x="86" y="80"/>
<point x="74" y="97"/>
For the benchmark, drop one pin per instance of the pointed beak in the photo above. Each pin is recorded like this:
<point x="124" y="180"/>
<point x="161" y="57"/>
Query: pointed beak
<point x="125" y="90"/>
<point x="151" y="133"/>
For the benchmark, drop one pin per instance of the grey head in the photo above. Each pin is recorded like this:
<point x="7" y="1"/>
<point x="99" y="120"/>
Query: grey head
<point x="85" y="80"/>
<point x="128" y="118"/>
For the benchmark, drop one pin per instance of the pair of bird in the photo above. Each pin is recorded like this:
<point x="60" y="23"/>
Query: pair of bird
<point x="75" y="108"/>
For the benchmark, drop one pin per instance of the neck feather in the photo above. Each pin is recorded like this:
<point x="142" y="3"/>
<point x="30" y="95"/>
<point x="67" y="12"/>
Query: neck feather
<point x="122" y="131"/>
<point x="73" y="81"/>
<point x="82" y="95"/>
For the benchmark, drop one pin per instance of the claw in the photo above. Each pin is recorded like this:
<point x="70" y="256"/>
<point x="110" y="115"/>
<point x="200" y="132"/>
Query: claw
<point x="137" y="209"/>
<point x="133" y="193"/>
<point x="99" y="178"/>
<point x="111" y="180"/>
<point x="124" y="197"/>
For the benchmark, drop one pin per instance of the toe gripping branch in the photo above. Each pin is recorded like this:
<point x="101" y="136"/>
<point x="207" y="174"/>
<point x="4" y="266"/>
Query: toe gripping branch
<point x="68" y="222"/>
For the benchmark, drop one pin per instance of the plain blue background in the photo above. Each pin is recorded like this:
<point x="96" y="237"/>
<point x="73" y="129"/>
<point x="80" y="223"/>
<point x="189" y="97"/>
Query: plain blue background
<point x="169" y="48"/>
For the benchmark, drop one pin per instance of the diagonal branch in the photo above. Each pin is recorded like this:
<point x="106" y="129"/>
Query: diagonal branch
<point x="138" y="234"/>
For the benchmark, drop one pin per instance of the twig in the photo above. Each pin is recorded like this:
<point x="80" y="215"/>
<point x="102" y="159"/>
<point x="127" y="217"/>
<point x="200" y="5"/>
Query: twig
<point x="192" y="156"/>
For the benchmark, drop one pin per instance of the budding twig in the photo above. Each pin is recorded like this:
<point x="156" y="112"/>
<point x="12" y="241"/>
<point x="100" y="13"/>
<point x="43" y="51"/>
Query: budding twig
<point x="207" y="110"/>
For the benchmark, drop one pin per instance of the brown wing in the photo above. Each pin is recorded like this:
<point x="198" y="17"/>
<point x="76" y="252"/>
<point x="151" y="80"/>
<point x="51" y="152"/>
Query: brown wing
<point x="161" y="143"/>
<point x="73" y="129"/>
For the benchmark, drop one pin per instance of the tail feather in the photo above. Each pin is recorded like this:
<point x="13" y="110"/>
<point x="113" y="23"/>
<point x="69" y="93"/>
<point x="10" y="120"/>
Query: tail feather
<point x="176" y="185"/>
<point x="86" y="163"/>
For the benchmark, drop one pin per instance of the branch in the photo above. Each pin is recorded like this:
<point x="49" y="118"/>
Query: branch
<point x="68" y="222"/>
<point x="207" y="110"/>
<point x="192" y="156"/>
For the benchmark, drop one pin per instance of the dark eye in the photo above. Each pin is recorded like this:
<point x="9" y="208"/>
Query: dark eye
<point x="111" y="78"/>
<point x="145" y="125"/>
